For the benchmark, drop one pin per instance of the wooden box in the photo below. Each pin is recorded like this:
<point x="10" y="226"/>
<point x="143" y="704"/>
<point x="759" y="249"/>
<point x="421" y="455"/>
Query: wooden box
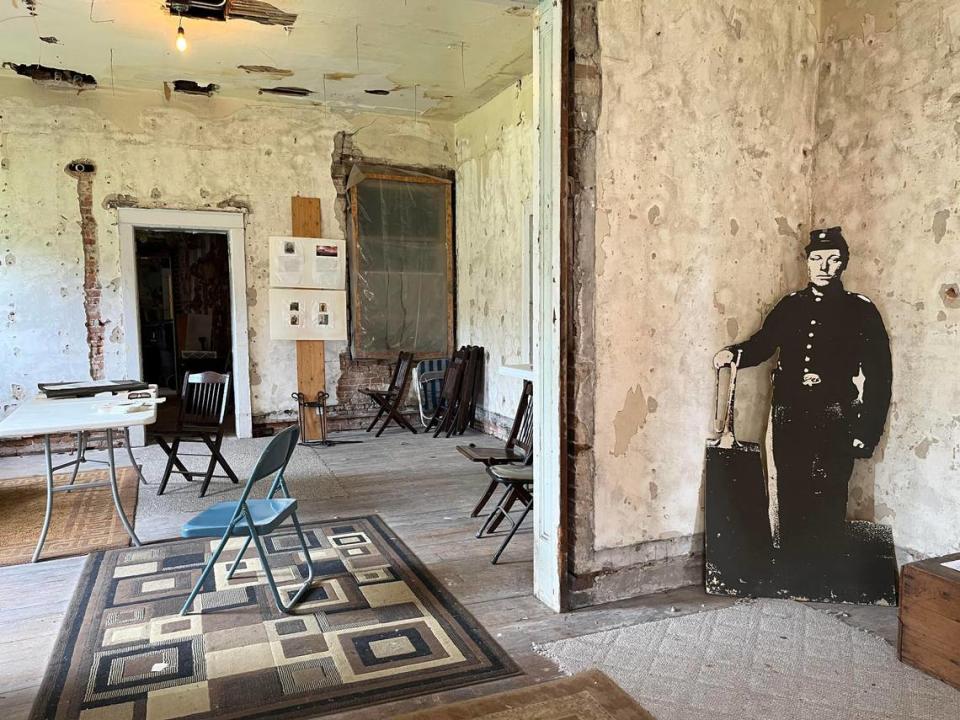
<point x="929" y="637"/>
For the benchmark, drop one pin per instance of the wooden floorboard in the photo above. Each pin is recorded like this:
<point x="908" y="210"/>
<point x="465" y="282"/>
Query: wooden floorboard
<point x="424" y="490"/>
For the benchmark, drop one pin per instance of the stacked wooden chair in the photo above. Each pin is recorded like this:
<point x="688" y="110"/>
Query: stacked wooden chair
<point x="456" y="409"/>
<point x="391" y="399"/>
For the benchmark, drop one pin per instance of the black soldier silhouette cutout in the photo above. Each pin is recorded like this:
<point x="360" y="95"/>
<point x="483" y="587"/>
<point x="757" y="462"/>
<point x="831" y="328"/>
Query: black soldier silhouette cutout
<point x="831" y="393"/>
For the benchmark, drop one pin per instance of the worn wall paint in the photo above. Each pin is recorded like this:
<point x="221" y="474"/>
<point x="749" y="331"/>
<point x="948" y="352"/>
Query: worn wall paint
<point x="886" y="169"/>
<point x="197" y="153"/>
<point x="703" y="152"/>
<point x="494" y="149"/>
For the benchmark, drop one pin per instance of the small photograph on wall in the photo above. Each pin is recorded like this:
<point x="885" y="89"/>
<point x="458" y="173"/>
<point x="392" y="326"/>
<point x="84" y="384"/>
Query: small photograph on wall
<point x="297" y="314"/>
<point x="307" y="263"/>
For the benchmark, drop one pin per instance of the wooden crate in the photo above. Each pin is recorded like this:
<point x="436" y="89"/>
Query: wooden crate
<point x="929" y="637"/>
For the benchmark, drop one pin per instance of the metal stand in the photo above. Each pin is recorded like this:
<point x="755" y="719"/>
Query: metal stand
<point x="81" y="458"/>
<point x="320" y="407"/>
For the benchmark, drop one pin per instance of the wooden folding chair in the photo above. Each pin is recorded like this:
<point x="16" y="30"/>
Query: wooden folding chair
<point x="392" y="398"/>
<point x="203" y="405"/>
<point x="449" y="394"/>
<point x="516" y="449"/>
<point x="517" y="480"/>
<point x="473" y="368"/>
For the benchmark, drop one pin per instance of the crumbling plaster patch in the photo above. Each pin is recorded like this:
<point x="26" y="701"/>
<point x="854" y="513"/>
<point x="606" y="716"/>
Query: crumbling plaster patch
<point x="886" y="168"/>
<point x="173" y="156"/>
<point x="494" y="166"/>
<point x="710" y="125"/>
<point x="878" y="119"/>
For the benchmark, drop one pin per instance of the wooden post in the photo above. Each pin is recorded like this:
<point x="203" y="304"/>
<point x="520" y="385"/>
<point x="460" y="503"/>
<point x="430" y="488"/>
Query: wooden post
<point x="311" y="367"/>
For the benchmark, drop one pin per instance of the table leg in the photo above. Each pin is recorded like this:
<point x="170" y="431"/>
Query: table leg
<point x="133" y="460"/>
<point x="116" y="492"/>
<point x="49" y="510"/>
<point x="81" y="449"/>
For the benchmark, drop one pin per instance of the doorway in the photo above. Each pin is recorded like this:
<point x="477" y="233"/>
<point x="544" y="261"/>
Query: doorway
<point x="162" y="341"/>
<point x="183" y="290"/>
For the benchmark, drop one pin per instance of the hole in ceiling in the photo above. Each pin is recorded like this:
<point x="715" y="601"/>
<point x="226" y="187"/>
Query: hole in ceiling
<point x="189" y="87"/>
<point x="204" y="9"/>
<point x="252" y="10"/>
<point x="54" y="77"/>
<point x="287" y="91"/>
<point x="50" y="39"/>
<point x="266" y="70"/>
<point x="377" y="92"/>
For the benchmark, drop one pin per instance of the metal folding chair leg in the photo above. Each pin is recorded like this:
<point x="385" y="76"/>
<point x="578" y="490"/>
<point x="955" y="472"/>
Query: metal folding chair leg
<point x="236" y="561"/>
<point x="284" y="607"/>
<point x="498" y="511"/>
<point x="206" y="572"/>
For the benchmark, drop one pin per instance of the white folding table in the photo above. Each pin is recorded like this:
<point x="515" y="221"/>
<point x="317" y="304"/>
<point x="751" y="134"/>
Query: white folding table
<point x="43" y="416"/>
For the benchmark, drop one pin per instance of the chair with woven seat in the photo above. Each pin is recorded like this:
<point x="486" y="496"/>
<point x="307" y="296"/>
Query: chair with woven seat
<point x="203" y="405"/>
<point x="254" y="518"/>
<point x="391" y="398"/>
<point x="516" y="449"/>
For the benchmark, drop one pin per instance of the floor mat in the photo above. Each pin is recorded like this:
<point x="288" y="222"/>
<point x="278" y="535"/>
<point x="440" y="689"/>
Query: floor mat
<point x="586" y="696"/>
<point x="759" y="660"/>
<point x="374" y="627"/>
<point x="81" y="522"/>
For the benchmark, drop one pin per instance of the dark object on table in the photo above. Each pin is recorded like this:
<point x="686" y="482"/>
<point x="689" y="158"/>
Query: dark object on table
<point x="851" y="562"/>
<point x="929" y="638"/>
<point x="516" y="449"/>
<point x="203" y="405"/>
<point x="318" y="406"/>
<point x="86" y="388"/>
<point x="392" y="398"/>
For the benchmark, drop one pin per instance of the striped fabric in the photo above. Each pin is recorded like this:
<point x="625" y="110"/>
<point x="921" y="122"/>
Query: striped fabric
<point x="428" y="392"/>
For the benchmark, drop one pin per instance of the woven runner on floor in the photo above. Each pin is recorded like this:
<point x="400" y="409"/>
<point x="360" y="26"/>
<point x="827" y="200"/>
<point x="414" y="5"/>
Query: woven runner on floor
<point x="81" y="522"/>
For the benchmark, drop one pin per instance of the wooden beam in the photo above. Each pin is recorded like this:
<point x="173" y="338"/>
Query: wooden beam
<point x="311" y="354"/>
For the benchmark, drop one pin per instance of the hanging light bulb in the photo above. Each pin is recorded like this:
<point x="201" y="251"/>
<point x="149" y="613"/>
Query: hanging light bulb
<point x="181" y="37"/>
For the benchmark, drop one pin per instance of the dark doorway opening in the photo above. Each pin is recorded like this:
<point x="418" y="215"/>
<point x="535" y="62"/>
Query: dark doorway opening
<point x="183" y="287"/>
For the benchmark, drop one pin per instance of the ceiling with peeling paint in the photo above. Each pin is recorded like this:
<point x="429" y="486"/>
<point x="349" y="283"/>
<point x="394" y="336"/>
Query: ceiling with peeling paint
<point x="436" y="58"/>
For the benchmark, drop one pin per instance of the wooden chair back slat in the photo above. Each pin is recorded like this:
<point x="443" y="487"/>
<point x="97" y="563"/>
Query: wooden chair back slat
<point x="520" y="430"/>
<point x="203" y="399"/>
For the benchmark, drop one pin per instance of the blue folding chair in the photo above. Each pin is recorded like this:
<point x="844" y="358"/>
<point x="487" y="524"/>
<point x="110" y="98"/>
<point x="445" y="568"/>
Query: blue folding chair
<point x="254" y="518"/>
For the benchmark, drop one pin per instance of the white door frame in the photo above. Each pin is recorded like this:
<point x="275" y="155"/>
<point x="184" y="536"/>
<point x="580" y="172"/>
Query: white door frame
<point x="231" y="223"/>
<point x="549" y="569"/>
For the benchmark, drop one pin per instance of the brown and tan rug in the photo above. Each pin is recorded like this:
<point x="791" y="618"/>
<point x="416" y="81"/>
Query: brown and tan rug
<point x="590" y="695"/>
<point x="375" y="627"/>
<point x="81" y="522"/>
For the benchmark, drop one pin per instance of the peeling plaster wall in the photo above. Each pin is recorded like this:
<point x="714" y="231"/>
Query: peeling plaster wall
<point x="494" y="149"/>
<point x="886" y="169"/>
<point x="702" y="200"/>
<point x="191" y="153"/>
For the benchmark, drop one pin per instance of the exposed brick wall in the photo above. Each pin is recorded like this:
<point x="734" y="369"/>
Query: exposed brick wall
<point x="84" y="171"/>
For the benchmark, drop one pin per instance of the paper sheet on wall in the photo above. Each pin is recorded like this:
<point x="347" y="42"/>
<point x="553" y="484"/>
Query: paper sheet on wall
<point x="952" y="564"/>
<point x="317" y="263"/>
<point x="298" y="314"/>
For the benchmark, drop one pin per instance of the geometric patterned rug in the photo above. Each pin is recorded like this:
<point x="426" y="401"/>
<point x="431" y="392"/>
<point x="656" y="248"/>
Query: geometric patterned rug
<point x="81" y="522"/>
<point x="588" y="695"/>
<point x="375" y="627"/>
<point x="759" y="660"/>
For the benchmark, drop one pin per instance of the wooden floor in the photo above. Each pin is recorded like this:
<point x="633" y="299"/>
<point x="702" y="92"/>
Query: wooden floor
<point x="424" y="490"/>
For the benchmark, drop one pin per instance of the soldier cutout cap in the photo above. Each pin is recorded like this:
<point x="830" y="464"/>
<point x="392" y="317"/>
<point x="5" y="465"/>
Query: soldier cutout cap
<point x="828" y="239"/>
